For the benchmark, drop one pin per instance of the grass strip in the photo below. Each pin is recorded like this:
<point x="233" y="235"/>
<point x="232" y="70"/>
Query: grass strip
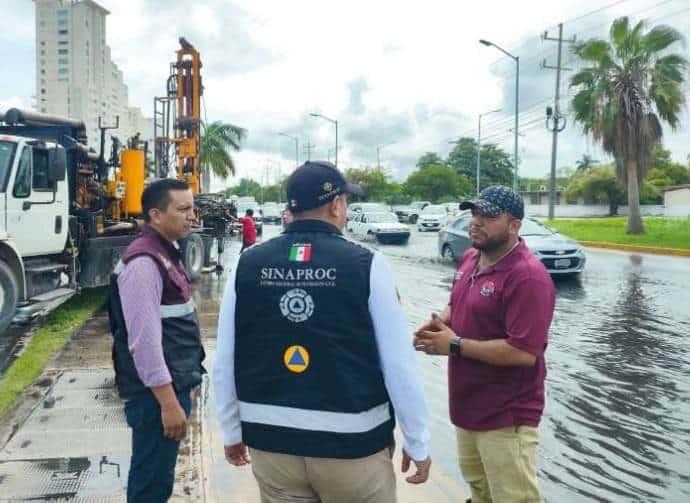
<point x="55" y="331"/>
<point x="660" y="232"/>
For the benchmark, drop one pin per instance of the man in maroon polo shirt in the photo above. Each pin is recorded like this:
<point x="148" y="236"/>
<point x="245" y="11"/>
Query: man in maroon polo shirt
<point x="495" y="331"/>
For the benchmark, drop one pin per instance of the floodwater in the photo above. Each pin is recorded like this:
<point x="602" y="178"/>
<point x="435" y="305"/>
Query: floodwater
<point x="616" y="423"/>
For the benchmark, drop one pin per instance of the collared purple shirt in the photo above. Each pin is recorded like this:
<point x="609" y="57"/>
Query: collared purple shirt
<point x="141" y="288"/>
<point x="512" y="300"/>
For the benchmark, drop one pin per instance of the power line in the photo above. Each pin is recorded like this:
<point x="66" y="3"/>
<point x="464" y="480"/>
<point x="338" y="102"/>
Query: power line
<point x="507" y="74"/>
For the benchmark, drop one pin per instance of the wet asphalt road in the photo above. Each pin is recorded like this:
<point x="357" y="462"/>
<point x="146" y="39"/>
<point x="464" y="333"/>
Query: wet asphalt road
<point x="618" y="387"/>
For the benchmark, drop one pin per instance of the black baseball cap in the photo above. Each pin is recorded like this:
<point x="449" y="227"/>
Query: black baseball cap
<point x="496" y="200"/>
<point x="315" y="183"/>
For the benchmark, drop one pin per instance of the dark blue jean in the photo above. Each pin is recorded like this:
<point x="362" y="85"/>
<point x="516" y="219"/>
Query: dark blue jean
<point x="152" y="467"/>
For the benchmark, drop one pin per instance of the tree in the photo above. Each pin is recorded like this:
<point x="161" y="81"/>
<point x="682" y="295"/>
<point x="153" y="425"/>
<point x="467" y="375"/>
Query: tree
<point x="664" y="172"/>
<point x="435" y="182"/>
<point x="585" y="164"/>
<point x="374" y="182"/>
<point x="246" y="187"/>
<point x="397" y="194"/>
<point x="429" y="159"/>
<point x="217" y="140"/>
<point x="496" y="167"/>
<point x="598" y="185"/>
<point x="627" y="86"/>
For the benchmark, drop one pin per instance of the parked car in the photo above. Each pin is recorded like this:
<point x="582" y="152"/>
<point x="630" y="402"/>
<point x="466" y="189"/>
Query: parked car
<point x="432" y="218"/>
<point x="355" y="208"/>
<point x="272" y="214"/>
<point x="415" y="209"/>
<point x="402" y="211"/>
<point x="243" y="206"/>
<point x="559" y="254"/>
<point x="452" y="209"/>
<point x="384" y="227"/>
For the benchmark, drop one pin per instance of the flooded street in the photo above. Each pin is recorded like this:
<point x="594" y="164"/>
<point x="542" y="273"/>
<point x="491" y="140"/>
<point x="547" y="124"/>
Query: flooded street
<point x="618" y="386"/>
<point x="615" y="426"/>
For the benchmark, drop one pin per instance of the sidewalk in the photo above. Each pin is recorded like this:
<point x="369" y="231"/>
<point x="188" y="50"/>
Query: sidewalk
<point x="68" y="439"/>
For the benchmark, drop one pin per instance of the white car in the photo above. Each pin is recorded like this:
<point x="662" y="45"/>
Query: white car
<point x="432" y="218"/>
<point x="355" y="208"/>
<point x="384" y="227"/>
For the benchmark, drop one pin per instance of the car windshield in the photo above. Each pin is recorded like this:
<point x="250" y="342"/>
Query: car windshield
<point x="534" y="228"/>
<point x="434" y="210"/>
<point x="6" y="155"/>
<point x="382" y="218"/>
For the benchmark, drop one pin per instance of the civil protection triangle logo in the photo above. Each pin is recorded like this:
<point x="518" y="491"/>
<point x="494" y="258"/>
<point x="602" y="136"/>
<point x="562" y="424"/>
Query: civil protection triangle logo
<point x="300" y="253"/>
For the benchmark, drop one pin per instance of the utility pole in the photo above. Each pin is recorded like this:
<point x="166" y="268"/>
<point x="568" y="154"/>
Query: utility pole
<point x="308" y="147"/>
<point x="479" y="144"/>
<point x="555" y="122"/>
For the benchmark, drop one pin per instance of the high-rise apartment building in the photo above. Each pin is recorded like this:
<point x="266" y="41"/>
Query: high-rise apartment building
<point x="75" y="75"/>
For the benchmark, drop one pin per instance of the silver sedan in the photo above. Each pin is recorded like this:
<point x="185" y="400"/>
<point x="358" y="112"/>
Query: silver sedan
<point x="559" y="254"/>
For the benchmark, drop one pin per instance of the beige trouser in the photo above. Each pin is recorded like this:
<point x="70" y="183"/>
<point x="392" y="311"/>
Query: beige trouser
<point x="500" y="465"/>
<point x="284" y="478"/>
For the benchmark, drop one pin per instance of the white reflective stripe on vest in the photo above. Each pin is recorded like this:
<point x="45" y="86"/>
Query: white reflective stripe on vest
<point x="315" y="420"/>
<point x="177" y="310"/>
<point x="119" y="267"/>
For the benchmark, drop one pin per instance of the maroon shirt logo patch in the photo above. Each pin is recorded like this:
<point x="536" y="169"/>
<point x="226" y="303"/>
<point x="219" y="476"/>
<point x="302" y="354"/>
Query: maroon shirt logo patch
<point x="488" y="288"/>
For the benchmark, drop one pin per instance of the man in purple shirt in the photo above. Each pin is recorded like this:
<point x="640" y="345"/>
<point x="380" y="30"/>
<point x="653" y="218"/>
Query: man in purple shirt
<point x="157" y="350"/>
<point x="495" y="332"/>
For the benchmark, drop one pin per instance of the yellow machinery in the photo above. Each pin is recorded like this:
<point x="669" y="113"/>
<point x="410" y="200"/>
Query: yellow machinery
<point x="179" y="113"/>
<point x="133" y="172"/>
<point x="126" y="185"/>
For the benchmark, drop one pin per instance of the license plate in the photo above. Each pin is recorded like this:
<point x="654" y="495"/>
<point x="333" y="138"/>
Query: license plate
<point x="562" y="263"/>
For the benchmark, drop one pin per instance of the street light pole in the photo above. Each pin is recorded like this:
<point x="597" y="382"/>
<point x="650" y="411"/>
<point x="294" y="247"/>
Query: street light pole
<point x="517" y="104"/>
<point x="335" y="122"/>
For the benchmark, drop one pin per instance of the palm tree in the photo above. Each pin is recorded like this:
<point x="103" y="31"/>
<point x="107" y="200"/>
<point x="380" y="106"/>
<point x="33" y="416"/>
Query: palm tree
<point x="627" y="86"/>
<point x="217" y="140"/>
<point x="585" y="164"/>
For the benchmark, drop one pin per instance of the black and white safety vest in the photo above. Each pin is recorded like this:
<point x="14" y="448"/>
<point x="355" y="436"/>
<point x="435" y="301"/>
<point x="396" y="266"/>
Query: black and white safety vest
<point x="181" y="338"/>
<point x="307" y="369"/>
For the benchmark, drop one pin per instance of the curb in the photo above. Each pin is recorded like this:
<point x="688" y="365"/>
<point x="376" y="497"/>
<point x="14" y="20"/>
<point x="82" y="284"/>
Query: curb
<point x="677" y="252"/>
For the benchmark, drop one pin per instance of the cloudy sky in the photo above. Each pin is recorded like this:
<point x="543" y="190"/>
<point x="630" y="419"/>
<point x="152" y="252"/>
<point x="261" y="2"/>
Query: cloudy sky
<point x="406" y="76"/>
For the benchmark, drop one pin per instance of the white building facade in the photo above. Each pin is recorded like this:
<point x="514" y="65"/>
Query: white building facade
<point x="75" y="75"/>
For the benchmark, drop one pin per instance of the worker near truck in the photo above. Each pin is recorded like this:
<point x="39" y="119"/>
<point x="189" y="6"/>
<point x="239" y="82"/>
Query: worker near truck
<point x="495" y="331"/>
<point x="313" y="359"/>
<point x="248" y="229"/>
<point x="157" y="350"/>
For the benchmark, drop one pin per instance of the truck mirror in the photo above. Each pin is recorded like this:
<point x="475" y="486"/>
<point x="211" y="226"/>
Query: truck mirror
<point x="57" y="164"/>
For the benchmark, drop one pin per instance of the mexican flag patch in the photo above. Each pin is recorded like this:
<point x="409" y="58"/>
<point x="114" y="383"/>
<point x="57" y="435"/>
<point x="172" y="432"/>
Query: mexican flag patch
<point x="300" y="253"/>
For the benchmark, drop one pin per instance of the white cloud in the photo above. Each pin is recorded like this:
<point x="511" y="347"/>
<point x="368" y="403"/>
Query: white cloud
<point x="404" y="72"/>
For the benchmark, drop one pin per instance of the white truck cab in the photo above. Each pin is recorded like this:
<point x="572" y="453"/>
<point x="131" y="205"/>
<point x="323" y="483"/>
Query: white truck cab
<point x="34" y="215"/>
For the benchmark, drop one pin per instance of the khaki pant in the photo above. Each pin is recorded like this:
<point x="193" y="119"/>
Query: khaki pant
<point x="500" y="465"/>
<point x="284" y="478"/>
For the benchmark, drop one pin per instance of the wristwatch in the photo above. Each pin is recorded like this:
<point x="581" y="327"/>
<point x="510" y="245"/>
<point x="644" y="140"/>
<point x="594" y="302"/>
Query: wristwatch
<point x="456" y="346"/>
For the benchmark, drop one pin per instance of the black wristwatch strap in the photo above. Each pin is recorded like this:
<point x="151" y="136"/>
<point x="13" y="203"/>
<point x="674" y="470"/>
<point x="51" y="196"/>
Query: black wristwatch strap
<point x="456" y="346"/>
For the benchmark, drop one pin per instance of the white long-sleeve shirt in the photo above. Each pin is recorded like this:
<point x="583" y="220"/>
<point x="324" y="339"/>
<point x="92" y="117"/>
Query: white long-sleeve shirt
<point x="398" y="362"/>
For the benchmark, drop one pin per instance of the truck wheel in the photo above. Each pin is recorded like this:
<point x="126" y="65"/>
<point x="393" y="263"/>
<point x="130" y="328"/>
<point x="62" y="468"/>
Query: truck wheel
<point x="193" y="255"/>
<point x="8" y="296"/>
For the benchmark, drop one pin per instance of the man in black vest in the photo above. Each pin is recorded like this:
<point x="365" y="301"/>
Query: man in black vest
<point x="314" y="361"/>
<point x="157" y="351"/>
